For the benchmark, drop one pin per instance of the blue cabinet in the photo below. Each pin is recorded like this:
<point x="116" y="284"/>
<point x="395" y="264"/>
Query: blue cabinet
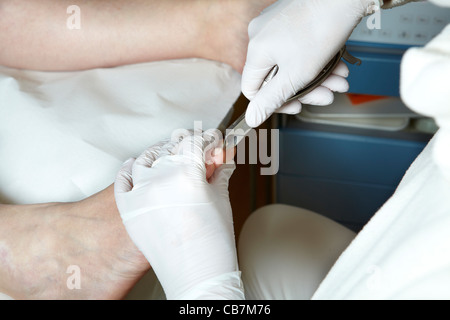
<point x="344" y="174"/>
<point x="379" y="73"/>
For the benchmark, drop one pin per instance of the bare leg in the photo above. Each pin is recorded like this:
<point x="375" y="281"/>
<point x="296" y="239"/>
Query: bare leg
<point x="38" y="243"/>
<point x="121" y="32"/>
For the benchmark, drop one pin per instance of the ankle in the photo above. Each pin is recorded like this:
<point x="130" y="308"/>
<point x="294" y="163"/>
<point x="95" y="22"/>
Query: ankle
<point x="221" y="35"/>
<point x="224" y="30"/>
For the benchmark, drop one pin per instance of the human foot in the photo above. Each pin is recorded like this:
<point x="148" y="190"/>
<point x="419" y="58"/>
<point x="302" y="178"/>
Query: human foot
<point x="226" y="24"/>
<point x="68" y="251"/>
<point x="77" y="250"/>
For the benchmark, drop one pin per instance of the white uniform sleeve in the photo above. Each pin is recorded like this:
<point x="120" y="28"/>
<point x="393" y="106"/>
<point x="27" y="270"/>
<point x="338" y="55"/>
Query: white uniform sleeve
<point x="402" y="253"/>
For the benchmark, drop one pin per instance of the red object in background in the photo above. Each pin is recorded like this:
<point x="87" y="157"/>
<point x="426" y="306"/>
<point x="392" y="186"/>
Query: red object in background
<point x="357" y="99"/>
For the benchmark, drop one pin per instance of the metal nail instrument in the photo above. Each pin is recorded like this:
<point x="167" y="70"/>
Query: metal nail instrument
<point x="239" y="129"/>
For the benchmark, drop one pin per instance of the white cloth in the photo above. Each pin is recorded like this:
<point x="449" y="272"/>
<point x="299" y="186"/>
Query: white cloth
<point x="402" y="253"/>
<point x="64" y="135"/>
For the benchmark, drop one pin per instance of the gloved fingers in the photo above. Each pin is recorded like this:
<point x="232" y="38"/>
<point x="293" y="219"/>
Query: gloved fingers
<point x="321" y="96"/>
<point x="293" y="107"/>
<point x="253" y="77"/>
<point x="213" y="139"/>
<point x="263" y="105"/>
<point x="222" y="175"/>
<point x="147" y="157"/>
<point x="213" y="152"/>
<point x="341" y="70"/>
<point x="124" y="179"/>
<point x="199" y="146"/>
<point x="336" y="83"/>
<point x="163" y="148"/>
<point x="219" y="156"/>
<point x="210" y="169"/>
<point x="178" y="136"/>
<point x="271" y="97"/>
<point x="213" y="159"/>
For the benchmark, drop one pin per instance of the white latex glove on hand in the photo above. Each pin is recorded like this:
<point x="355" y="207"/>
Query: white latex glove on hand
<point x="301" y="37"/>
<point x="182" y="223"/>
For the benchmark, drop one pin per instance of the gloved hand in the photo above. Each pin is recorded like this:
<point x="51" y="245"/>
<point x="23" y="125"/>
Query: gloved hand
<point x="181" y="222"/>
<point x="301" y="37"/>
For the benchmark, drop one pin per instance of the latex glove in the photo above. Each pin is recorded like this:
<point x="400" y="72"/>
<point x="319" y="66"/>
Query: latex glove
<point x="181" y="222"/>
<point x="301" y="37"/>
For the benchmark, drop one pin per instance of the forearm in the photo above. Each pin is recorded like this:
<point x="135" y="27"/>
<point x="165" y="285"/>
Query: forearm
<point x="35" y="33"/>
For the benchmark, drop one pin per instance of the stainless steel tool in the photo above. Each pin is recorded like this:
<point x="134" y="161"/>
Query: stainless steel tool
<point x="239" y="129"/>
